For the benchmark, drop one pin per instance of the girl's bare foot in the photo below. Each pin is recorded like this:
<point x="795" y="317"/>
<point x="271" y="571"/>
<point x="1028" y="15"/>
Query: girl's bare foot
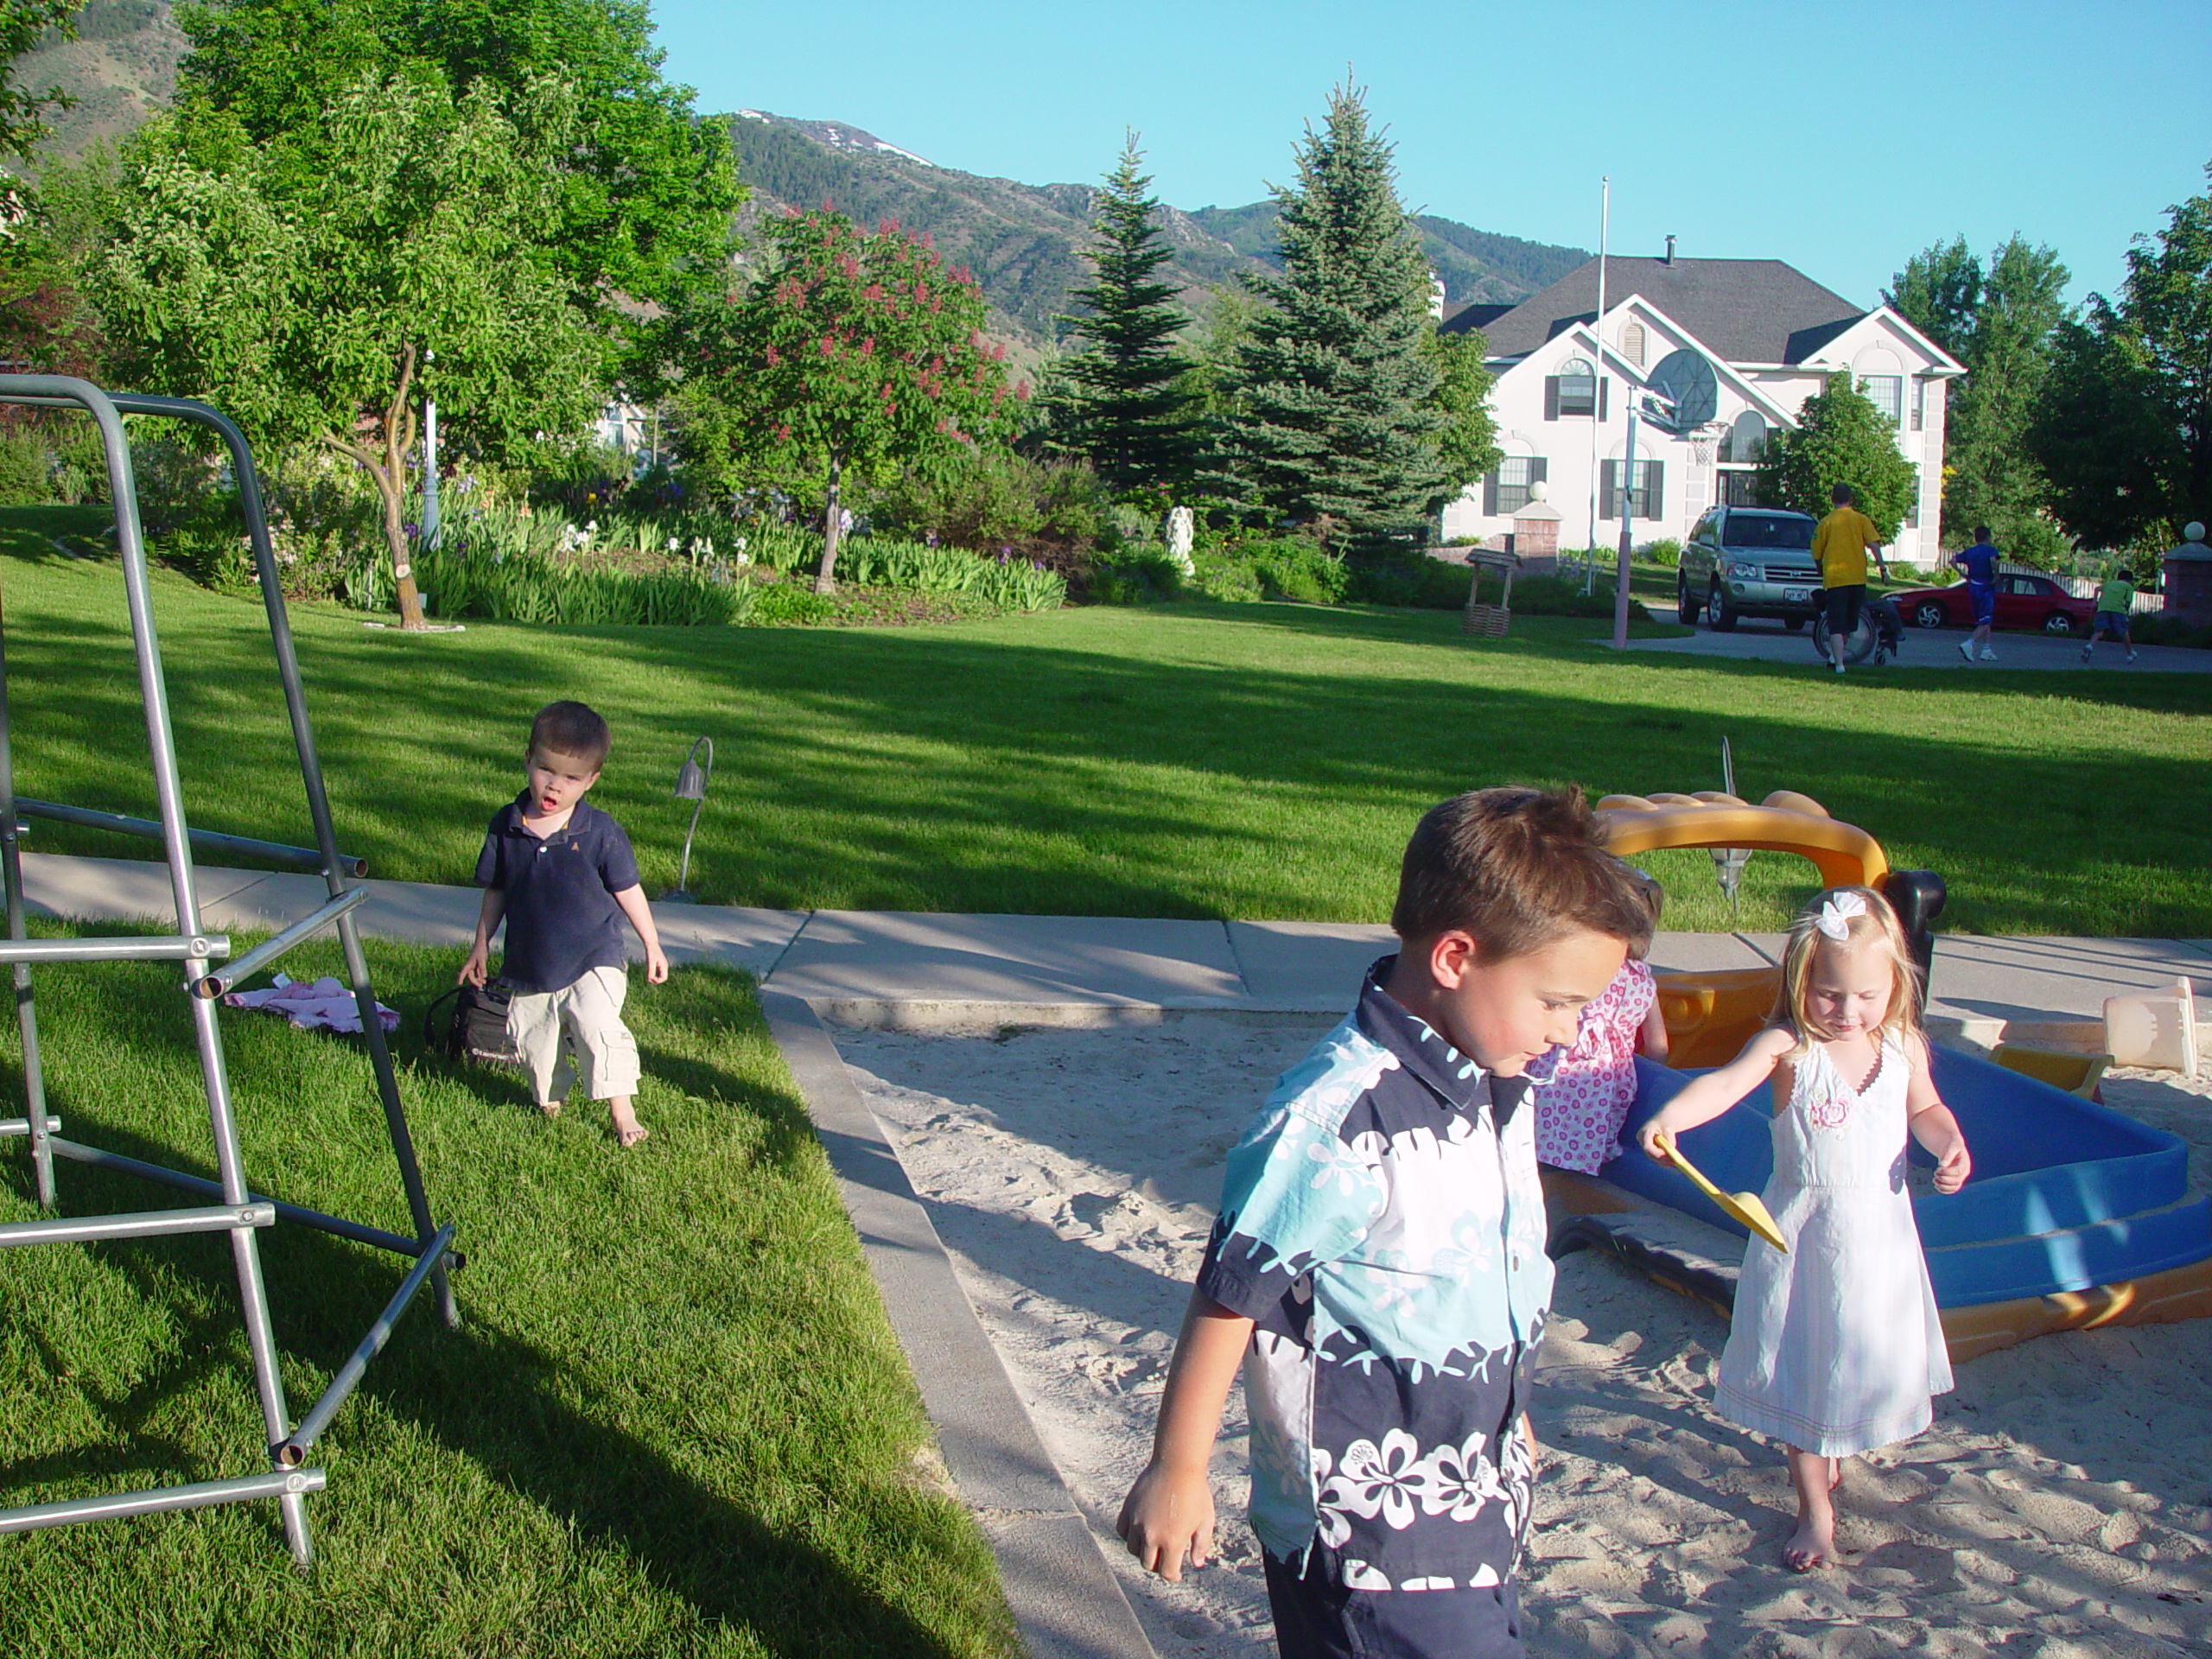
<point x="549" y="1109"/>
<point x="1813" y="1544"/>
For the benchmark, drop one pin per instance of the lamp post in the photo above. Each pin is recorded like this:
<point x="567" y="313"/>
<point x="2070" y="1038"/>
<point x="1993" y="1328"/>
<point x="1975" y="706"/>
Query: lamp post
<point x="429" y="536"/>
<point x="692" y="785"/>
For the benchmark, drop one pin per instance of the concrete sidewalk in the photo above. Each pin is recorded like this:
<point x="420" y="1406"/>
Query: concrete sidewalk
<point x="924" y="971"/>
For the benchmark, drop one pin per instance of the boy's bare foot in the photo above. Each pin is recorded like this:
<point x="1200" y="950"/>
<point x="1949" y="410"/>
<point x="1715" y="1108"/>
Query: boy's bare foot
<point x="549" y="1109"/>
<point x="1813" y="1545"/>
<point x="627" y="1130"/>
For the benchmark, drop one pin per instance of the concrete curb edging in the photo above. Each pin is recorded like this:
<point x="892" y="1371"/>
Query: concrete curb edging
<point x="1065" y="1599"/>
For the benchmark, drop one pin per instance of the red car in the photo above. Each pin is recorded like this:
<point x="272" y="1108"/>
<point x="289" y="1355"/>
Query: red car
<point x="2022" y="602"/>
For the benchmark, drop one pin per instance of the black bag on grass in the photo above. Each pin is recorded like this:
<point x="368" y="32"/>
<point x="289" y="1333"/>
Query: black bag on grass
<point x="478" y="1029"/>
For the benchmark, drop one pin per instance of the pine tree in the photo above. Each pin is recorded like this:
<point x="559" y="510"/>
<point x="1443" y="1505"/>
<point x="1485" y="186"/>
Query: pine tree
<point x="1337" y="382"/>
<point x="1126" y="410"/>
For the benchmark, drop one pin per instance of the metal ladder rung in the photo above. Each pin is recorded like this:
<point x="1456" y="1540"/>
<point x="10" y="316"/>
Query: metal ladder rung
<point x="165" y="947"/>
<point x="143" y="1224"/>
<point x="290" y="1483"/>
<point x="213" y="985"/>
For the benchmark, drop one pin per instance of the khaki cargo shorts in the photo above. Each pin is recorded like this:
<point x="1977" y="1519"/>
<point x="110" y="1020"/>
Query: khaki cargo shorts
<point x="576" y="1029"/>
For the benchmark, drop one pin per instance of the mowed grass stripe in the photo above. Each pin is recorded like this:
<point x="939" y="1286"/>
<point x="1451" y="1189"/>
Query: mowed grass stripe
<point x="1195" y="761"/>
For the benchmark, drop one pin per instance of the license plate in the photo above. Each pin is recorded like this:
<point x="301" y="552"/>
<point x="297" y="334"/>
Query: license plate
<point x="1796" y="595"/>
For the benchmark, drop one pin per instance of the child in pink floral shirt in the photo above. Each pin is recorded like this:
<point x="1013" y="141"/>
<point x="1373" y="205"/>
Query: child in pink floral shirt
<point x="1581" y="1111"/>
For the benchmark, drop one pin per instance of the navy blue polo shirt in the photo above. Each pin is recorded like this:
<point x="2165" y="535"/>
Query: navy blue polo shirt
<point x="561" y="917"/>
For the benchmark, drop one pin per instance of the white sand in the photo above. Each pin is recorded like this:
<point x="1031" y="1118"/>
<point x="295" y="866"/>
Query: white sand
<point x="2061" y="1505"/>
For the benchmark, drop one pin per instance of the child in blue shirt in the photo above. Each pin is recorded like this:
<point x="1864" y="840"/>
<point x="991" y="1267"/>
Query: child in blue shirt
<point x="562" y="874"/>
<point x="1978" y="564"/>
<point x="1378" y="1265"/>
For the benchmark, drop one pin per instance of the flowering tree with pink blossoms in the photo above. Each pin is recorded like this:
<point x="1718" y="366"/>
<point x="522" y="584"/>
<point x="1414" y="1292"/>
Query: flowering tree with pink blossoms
<point x="856" y="349"/>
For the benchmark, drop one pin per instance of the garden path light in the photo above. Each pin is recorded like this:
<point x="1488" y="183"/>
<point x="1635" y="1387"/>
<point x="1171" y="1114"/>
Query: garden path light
<point x="692" y="785"/>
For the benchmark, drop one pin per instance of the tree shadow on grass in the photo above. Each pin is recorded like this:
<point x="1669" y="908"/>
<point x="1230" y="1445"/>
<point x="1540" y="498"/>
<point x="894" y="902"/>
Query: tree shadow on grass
<point x="523" y="1418"/>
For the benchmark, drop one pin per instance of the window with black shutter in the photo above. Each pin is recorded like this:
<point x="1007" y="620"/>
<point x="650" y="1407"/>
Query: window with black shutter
<point x="1578" y="388"/>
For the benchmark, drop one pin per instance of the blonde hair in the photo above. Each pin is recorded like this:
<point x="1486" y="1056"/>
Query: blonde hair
<point x="1877" y="921"/>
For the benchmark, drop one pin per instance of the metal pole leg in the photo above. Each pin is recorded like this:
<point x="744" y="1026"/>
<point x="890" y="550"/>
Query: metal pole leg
<point x="11" y="873"/>
<point x="161" y="743"/>
<point x="395" y="1114"/>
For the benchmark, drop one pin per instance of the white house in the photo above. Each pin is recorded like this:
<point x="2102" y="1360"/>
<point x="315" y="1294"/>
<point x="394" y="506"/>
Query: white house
<point x="1772" y="335"/>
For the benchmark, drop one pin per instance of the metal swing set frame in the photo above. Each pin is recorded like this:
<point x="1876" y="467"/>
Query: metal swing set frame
<point x="231" y="1206"/>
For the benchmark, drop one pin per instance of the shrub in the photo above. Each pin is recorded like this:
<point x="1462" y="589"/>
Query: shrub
<point x="1557" y="596"/>
<point x="1138" y="572"/>
<point x="2155" y="629"/>
<point x="1290" y="567"/>
<point x="23" y="470"/>
<point x="1419" y="582"/>
<point x="1221" y="573"/>
<point x="998" y="499"/>
<point x="1666" y="552"/>
<point x="783" y="604"/>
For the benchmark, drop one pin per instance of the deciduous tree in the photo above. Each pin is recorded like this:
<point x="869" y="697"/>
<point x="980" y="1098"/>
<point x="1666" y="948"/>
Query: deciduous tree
<point x="1839" y="438"/>
<point x="1336" y="381"/>
<point x="645" y="187"/>
<point x="2125" y="429"/>
<point x="1998" y="320"/>
<point x="855" y="350"/>
<point x="23" y="25"/>
<point x="1466" y="442"/>
<point x="310" y="286"/>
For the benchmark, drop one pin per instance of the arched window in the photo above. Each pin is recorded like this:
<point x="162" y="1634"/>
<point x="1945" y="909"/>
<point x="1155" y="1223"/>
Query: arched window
<point x="1577" y="385"/>
<point x="1633" y="344"/>
<point x="1746" y="439"/>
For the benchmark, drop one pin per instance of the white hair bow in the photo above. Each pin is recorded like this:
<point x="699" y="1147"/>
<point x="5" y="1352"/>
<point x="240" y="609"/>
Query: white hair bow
<point x="1834" y="919"/>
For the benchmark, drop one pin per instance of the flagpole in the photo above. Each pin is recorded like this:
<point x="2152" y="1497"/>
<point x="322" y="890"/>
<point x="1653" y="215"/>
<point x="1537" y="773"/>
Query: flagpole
<point x="1597" y="374"/>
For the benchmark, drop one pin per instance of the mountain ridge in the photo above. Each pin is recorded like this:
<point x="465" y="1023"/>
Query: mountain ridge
<point x="1023" y="242"/>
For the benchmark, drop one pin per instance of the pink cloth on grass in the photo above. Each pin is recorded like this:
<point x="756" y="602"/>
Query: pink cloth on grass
<point x="324" y="1005"/>
<point x="1581" y="1111"/>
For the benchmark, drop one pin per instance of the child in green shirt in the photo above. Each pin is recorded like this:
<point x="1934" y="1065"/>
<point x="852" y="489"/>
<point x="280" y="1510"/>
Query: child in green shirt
<point x="2114" y="601"/>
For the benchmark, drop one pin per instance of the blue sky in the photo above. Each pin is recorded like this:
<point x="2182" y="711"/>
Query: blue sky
<point x="1841" y="137"/>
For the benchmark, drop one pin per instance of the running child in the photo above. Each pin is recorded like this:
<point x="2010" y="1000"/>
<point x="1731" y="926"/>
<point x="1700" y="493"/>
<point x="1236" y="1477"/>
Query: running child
<point x="1581" y="1110"/>
<point x="1978" y="564"/>
<point x="2115" y="600"/>
<point x="1835" y="1348"/>
<point x="1378" y="1266"/>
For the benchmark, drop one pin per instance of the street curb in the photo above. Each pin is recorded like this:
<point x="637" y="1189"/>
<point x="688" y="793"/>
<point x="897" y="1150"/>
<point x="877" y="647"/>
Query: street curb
<point x="1065" y="1599"/>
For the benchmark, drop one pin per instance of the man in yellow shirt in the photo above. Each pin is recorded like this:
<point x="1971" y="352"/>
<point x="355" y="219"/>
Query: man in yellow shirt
<point x="1840" y="545"/>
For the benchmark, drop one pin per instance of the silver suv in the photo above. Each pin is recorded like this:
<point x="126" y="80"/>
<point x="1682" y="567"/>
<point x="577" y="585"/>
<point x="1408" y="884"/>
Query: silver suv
<point x="1748" y="562"/>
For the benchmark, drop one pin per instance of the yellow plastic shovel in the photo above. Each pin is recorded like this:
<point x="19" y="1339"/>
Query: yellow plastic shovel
<point x="1746" y="1207"/>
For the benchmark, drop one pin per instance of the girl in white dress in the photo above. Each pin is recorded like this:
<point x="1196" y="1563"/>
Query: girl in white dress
<point x="1835" y="1347"/>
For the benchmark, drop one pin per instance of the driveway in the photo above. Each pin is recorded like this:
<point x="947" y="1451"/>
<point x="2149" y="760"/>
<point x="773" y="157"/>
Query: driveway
<point x="1757" y="639"/>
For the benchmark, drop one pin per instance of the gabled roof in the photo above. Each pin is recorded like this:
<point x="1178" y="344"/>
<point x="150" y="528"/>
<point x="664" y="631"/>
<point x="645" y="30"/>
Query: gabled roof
<point x="1744" y="311"/>
<point x="1581" y="339"/>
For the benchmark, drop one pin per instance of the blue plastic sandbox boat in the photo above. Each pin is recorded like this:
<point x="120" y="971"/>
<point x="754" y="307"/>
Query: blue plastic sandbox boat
<point x="2066" y="1195"/>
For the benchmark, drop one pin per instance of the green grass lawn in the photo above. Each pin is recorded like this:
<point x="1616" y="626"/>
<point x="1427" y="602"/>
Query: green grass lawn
<point x="1190" y="759"/>
<point x="673" y="1421"/>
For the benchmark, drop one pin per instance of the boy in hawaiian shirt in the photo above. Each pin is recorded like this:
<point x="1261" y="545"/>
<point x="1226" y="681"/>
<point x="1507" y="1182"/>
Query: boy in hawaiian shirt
<point x="1378" y="1265"/>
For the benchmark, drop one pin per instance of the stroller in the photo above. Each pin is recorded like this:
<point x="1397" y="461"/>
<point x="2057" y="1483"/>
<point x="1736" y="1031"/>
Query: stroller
<point x="1880" y="633"/>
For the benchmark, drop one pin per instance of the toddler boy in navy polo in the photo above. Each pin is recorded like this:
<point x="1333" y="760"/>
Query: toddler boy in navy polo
<point x="1378" y="1266"/>
<point x="561" y="872"/>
